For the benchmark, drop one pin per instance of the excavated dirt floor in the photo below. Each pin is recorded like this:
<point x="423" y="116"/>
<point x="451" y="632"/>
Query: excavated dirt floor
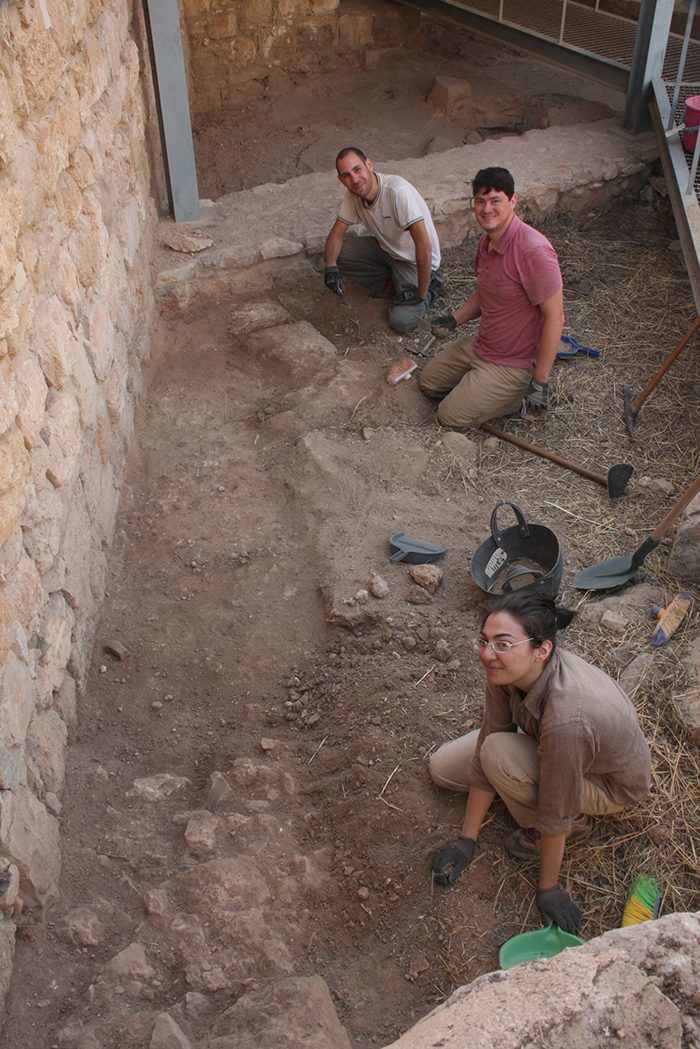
<point x="261" y="494"/>
<point x="259" y="498"/>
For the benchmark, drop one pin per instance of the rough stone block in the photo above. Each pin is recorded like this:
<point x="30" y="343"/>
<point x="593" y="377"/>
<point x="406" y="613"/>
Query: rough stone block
<point x="296" y="1011"/>
<point x="687" y="706"/>
<point x="47" y="735"/>
<point x="8" y="121"/>
<point x="88" y="245"/>
<point x="168" y="1035"/>
<point x="74" y="546"/>
<point x="42" y="66"/>
<point x="129" y="229"/>
<point x="9" y="228"/>
<point x="62" y="424"/>
<point x="9" y="405"/>
<point x="223" y="27"/>
<point x="81" y="927"/>
<point x="297" y="350"/>
<point x="7" y="954"/>
<point x="354" y="31"/>
<point x="86" y="392"/>
<point x="17" y="702"/>
<point x="25" y="190"/>
<point x="66" y="701"/>
<point x="489" y="103"/>
<point x="55" y="632"/>
<point x="255" y="14"/>
<point x="29" y="838"/>
<point x="55" y="343"/>
<point x="68" y="197"/>
<point x="446" y="92"/>
<point x="43" y="526"/>
<point x="684" y="561"/>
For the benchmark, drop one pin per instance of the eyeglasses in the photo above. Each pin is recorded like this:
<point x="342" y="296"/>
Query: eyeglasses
<point x="500" y="646"/>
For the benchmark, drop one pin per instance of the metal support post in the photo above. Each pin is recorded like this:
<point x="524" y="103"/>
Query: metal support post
<point x="653" y="28"/>
<point x="170" y="82"/>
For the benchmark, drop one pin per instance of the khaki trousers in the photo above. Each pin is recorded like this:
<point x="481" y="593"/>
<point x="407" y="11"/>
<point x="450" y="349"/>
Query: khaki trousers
<point x="471" y="390"/>
<point x="512" y="767"/>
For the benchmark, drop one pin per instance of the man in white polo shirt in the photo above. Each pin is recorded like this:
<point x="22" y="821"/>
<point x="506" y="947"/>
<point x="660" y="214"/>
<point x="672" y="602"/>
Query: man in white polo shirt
<point x="399" y="255"/>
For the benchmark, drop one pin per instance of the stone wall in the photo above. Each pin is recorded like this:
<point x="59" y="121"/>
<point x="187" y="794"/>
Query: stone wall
<point x="231" y="48"/>
<point x="76" y="229"/>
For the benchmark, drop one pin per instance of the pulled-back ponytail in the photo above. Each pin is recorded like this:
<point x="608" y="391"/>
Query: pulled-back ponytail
<point x="537" y="614"/>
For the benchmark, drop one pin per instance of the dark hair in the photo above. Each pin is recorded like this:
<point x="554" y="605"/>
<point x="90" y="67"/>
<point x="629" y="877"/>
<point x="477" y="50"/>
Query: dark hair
<point x="537" y="614"/>
<point x="350" y="149"/>
<point x="498" y="179"/>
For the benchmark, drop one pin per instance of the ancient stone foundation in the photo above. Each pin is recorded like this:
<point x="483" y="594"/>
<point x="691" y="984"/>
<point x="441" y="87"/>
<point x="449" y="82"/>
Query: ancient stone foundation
<point x="76" y="223"/>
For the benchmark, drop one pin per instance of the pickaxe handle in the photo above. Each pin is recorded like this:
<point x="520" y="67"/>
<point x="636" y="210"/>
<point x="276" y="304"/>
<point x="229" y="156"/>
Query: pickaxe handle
<point x="654" y="381"/>
<point x="590" y="474"/>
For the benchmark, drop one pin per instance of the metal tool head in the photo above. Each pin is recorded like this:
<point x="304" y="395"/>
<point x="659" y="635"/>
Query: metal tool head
<point x="617" y="478"/>
<point x="606" y="575"/>
<point x="628" y="412"/>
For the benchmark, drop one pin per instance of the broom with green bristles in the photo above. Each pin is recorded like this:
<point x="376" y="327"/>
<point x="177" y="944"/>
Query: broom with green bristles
<point x="643" y="901"/>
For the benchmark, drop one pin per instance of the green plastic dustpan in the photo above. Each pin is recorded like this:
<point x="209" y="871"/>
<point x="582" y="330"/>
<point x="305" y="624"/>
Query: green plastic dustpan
<point x="542" y="943"/>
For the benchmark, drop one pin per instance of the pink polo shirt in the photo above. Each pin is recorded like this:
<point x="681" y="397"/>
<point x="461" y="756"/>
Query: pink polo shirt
<point x="518" y="274"/>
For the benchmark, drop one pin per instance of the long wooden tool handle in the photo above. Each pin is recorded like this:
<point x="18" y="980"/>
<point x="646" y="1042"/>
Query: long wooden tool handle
<point x="675" y="511"/>
<point x="598" y="478"/>
<point x="656" y="379"/>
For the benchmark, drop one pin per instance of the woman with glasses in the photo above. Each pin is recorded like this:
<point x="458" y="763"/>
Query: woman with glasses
<point x="560" y="742"/>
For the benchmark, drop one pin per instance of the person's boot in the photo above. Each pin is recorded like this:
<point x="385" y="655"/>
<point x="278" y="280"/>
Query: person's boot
<point x="524" y="843"/>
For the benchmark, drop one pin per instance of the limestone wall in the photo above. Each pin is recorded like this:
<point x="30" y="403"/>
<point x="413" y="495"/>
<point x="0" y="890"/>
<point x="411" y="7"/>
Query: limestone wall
<point x="237" y="43"/>
<point x="76" y="227"/>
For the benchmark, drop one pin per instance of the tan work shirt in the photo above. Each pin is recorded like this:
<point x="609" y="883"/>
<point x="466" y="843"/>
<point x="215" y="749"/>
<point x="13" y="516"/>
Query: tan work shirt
<point x="586" y="727"/>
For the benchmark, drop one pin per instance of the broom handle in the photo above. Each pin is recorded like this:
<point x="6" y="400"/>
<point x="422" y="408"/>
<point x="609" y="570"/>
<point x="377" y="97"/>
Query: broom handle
<point x="653" y="382"/>
<point x="598" y="478"/>
<point x="679" y="507"/>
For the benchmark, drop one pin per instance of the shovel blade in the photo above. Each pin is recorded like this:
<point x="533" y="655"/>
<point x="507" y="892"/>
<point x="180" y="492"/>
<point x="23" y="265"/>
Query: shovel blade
<point x="608" y="574"/>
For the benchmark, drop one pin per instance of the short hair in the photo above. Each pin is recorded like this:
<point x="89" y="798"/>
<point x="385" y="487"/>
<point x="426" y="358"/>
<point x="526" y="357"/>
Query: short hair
<point x="350" y="149"/>
<point x="498" y="179"/>
<point x="537" y="614"/>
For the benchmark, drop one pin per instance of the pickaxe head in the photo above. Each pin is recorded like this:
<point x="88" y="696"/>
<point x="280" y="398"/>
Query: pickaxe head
<point x="628" y="412"/>
<point x="617" y="478"/>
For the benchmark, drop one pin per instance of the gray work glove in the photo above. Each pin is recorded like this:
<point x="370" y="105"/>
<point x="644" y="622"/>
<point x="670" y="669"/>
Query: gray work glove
<point x="333" y="279"/>
<point x="443" y="326"/>
<point x="555" y="906"/>
<point x="456" y="855"/>
<point x="408" y="296"/>
<point x="536" y="399"/>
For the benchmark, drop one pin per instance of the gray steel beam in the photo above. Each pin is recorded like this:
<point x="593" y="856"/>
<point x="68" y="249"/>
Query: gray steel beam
<point x="168" y="63"/>
<point x="653" y="27"/>
<point x="686" y="210"/>
<point x="603" y="70"/>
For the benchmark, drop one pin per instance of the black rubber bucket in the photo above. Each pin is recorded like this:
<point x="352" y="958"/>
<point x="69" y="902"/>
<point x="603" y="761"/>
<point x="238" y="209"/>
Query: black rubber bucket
<point x="523" y="557"/>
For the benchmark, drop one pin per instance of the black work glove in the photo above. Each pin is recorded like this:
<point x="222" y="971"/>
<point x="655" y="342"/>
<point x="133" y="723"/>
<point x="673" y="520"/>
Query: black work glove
<point x="408" y="296"/>
<point x="442" y="326"/>
<point x="536" y="399"/>
<point x="555" y="906"/>
<point x="333" y="279"/>
<point x="457" y="855"/>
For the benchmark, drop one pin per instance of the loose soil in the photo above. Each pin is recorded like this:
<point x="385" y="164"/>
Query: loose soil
<point x="260" y="499"/>
<point x="256" y="506"/>
<point x="295" y="119"/>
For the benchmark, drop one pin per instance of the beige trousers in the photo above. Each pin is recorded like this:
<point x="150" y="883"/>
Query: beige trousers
<point x="512" y="767"/>
<point x="471" y="390"/>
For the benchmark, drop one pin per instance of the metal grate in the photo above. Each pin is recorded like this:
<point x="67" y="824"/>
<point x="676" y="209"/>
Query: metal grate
<point x="598" y="33"/>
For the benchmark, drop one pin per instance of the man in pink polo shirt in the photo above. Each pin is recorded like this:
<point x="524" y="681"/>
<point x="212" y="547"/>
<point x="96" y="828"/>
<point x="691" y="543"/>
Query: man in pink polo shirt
<point x="520" y="303"/>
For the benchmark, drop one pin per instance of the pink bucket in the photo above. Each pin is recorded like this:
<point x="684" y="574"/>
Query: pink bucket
<point x="691" y="119"/>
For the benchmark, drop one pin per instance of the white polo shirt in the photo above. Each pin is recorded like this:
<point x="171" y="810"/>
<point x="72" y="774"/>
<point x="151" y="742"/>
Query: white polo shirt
<point x="397" y="206"/>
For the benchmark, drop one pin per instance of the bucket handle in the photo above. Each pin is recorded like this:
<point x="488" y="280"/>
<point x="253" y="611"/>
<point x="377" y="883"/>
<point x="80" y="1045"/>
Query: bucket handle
<point x="518" y="570"/>
<point x="522" y="523"/>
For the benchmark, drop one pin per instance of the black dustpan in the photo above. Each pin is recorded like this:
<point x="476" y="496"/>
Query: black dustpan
<point x="414" y="551"/>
